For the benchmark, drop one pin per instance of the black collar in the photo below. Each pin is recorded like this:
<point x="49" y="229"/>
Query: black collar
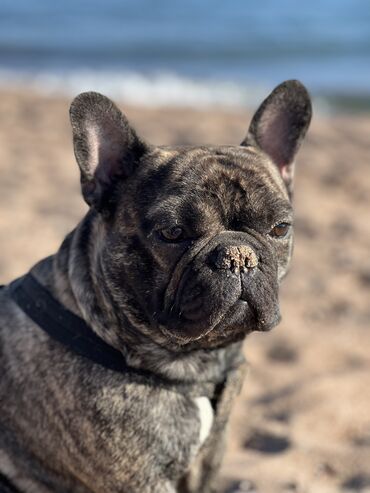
<point x="6" y="486"/>
<point x="74" y="333"/>
<point x="63" y="325"/>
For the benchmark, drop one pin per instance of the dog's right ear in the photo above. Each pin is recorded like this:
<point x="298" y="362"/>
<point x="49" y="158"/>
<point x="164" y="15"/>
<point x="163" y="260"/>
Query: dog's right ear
<point x="279" y="126"/>
<point x="105" y="145"/>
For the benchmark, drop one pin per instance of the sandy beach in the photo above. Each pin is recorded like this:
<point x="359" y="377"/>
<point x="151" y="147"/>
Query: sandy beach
<point x="302" y="421"/>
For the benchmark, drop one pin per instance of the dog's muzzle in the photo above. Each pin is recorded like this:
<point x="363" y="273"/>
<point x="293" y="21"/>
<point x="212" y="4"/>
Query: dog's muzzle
<point x="223" y="284"/>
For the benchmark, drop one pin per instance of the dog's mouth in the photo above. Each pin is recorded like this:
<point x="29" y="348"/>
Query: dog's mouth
<point x="227" y="309"/>
<point x="241" y="319"/>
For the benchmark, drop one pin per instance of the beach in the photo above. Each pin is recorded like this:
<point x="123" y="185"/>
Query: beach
<point x="302" y="421"/>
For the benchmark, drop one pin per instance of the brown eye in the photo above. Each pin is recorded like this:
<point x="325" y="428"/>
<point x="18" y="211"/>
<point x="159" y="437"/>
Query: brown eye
<point x="280" y="230"/>
<point x="172" y="234"/>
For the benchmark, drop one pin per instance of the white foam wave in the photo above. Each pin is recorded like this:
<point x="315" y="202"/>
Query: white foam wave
<point x="161" y="89"/>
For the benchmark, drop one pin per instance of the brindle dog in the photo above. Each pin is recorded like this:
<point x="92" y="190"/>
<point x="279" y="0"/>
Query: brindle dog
<point x="178" y="258"/>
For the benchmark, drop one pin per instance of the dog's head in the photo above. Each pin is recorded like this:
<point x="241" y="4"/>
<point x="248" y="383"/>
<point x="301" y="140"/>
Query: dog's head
<point x="193" y="240"/>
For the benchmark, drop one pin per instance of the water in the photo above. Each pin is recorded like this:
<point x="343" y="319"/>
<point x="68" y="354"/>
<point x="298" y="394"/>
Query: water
<point x="195" y="52"/>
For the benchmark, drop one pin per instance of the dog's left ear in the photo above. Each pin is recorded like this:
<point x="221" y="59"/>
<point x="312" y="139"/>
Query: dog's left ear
<point x="280" y="124"/>
<point x="105" y="145"/>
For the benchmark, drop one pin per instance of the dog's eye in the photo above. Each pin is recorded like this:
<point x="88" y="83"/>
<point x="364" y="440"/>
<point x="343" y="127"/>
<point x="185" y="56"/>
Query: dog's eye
<point x="280" y="230"/>
<point x="172" y="234"/>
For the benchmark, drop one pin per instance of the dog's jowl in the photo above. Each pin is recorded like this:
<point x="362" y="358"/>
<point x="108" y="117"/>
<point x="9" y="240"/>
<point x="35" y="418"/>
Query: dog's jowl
<point x="120" y="355"/>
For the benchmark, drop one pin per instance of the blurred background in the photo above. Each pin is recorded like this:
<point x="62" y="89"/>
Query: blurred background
<point x="193" y="53"/>
<point x="194" y="72"/>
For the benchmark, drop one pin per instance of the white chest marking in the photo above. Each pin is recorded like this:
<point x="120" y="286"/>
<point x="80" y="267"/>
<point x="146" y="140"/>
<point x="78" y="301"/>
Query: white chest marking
<point x="205" y="416"/>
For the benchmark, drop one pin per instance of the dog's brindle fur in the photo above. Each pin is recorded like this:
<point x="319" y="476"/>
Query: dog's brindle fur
<point x="178" y="307"/>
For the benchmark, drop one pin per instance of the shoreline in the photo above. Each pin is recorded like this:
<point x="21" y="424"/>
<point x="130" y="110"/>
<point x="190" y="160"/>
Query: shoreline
<point x="171" y="90"/>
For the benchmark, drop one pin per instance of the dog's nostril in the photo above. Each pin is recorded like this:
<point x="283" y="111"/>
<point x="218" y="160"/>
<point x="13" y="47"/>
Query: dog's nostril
<point x="235" y="258"/>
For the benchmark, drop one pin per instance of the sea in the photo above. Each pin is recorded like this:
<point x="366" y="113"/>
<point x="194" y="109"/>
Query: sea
<point x="198" y="53"/>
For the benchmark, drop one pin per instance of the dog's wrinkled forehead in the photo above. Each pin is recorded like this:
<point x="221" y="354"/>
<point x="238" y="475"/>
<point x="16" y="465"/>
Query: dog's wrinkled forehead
<point x="211" y="187"/>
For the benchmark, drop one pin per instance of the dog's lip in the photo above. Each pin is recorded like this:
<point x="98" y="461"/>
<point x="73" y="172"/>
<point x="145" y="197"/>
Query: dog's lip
<point x="188" y="339"/>
<point x="257" y="323"/>
<point x="184" y="339"/>
<point x="262" y="325"/>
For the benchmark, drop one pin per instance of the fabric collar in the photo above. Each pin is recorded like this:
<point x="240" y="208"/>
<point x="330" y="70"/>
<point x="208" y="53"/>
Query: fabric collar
<point x="74" y="333"/>
<point x="6" y="486"/>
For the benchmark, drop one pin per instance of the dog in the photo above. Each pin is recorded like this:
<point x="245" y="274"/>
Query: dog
<point x="121" y="355"/>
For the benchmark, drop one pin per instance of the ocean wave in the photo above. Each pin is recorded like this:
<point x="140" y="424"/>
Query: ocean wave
<point x="158" y="89"/>
<point x="166" y="89"/>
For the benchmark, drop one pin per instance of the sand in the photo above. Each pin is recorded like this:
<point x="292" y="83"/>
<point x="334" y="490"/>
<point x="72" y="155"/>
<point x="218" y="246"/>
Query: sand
<point x="302" y="422"/>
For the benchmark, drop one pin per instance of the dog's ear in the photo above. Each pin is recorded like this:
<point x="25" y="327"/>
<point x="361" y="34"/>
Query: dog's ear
<point x="279" y="125"/>
<point x="105" y="146"/>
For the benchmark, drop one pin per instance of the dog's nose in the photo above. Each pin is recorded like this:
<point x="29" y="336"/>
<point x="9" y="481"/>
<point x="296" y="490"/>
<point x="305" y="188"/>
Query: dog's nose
<point x="235" y="258"/>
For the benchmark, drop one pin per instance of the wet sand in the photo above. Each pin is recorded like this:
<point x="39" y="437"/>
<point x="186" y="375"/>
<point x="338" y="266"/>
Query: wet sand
<point x="302" y="422"/>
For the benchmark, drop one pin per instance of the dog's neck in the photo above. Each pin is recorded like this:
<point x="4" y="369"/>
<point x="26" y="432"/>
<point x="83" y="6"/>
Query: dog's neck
<point x="73" y="276"/>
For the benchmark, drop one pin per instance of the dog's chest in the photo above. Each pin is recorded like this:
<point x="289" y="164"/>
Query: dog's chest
<point x="206" y="416"/>
<point x="160" y="427"/>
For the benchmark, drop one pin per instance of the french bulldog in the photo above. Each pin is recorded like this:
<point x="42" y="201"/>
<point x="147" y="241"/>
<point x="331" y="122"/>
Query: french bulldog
<point x="178" y="258"/>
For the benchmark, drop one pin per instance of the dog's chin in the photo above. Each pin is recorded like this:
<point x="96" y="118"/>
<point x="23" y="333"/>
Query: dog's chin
<point x="234" y="325"/>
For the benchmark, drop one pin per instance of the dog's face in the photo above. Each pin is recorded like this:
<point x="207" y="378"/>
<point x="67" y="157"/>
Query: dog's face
<point x="193" y="241"/>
